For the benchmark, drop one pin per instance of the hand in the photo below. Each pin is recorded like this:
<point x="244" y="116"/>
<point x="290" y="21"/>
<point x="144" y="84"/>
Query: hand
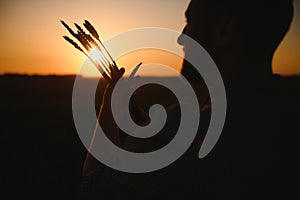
<point x="105" y="117"/>
<point x="139" y="116"/>
<point x="116" y="74"/>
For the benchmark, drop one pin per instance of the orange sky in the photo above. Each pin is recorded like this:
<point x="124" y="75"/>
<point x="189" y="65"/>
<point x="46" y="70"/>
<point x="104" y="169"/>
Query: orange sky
<point x="31" y="34"/>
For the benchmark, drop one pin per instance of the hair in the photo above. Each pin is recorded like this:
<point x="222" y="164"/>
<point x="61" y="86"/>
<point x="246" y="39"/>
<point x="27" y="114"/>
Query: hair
<point x="262" y="24"/>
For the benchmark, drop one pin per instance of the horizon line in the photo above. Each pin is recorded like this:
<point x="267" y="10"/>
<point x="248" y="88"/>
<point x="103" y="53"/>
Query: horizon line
<point x="84" y="76"/>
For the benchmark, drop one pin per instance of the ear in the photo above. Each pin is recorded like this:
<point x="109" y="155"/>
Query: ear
<point x="226" y="32"/>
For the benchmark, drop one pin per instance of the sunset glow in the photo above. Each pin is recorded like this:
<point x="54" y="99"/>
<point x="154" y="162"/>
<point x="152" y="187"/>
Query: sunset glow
<point x="32" y="40"/>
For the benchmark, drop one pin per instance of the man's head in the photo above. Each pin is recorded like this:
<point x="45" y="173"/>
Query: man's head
<point x="237" y="32"/>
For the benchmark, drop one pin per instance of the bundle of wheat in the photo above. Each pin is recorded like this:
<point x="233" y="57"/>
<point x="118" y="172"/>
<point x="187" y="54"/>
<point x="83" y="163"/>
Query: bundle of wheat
<point x="105" y="64"/>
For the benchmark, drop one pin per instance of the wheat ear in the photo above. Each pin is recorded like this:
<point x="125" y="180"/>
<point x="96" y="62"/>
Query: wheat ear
<point x="91" y="41"/>
<point x="95" y="34"/>
<point x="80" y="49"/>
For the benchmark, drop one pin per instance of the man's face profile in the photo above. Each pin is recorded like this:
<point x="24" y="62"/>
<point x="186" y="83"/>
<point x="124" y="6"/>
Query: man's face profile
<point x="198" y="28"/>
<point x="241" y="37"/>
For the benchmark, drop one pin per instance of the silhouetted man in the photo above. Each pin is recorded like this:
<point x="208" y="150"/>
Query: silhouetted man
<point x="255" y="157"/>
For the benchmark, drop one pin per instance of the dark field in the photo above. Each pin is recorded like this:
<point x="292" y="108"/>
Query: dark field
<point x="42" y="155"/>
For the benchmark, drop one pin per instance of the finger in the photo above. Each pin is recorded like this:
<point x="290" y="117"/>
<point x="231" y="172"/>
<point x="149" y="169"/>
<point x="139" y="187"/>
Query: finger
<point x="116" y="75"/>
<point x="114" y="72"/>
<point x="122" y="71"/>
<point x="115" y="67"/>
<point x="111" y="69"/>
<point x="106" y="77"/>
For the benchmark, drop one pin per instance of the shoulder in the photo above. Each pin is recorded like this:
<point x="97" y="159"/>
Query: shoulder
<point x="260" y="103"/>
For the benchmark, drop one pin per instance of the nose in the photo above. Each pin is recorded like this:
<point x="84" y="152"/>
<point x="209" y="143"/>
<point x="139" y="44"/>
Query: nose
<point x="180" y="39"/>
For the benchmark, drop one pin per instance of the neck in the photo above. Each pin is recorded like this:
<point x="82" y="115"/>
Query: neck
<point x="246" y="68"/>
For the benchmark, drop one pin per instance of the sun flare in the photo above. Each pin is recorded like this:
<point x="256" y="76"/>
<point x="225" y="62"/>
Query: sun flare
<point x="95" y="55"/>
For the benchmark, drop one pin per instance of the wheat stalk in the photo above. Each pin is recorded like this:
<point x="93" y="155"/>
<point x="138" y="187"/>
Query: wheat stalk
<point x="77" y="36"/>
<point x="88" y="43"/>
<point x="95" y="34"/>
<point x="92" y="42"/>
<point x="68" y="28"/>
<point x="95" y="63"/>
<point x="73" y="43"/>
